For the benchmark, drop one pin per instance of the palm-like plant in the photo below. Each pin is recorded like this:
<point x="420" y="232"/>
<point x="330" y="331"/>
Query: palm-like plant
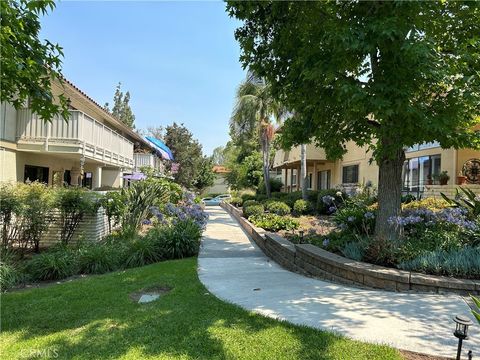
<point x="254" y="109"/>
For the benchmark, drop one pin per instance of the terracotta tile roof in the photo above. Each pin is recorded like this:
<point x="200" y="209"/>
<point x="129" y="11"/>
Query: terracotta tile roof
<point x="218" y="169"/>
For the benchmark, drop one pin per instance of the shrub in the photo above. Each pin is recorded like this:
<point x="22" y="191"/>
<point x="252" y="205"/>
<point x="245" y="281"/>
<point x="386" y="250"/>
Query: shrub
<point x="464" y="262"/>
<point x="73" y="204"/>
<point x="141" y="196"/>
<point x="37" y="213"/>
<point x="468" y="200"/>
<point x="330" y="200"/>
<point x="98" y="258"/>
<point x="115" y="204"/>
<point x="10" y="209"/>
<point x="142" y="251"/>
<point x="301" y="207"/>
<point x="353" y="250"/>
<point x="55" y="264"/>
<point x="254" y="209"/>
<point x="236" y="201"/>
<point x="275" y="186"/>
<point x="278" y="207"/>
<point x="429" y="203"/>
<point x="10" y="275"/>
<point x="179" y="240"/>
<point x="245" y="197"/>
<point x="355" y="218"/>
<point x="273" y="222"/>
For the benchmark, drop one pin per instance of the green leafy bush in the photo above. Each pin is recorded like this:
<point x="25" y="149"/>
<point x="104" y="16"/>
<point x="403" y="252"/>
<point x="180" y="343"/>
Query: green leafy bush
<point x="353" y="250"/>
<point x="302" y="207"/>
<point x="73" y="204"/>
<point x="247" y="203"/>
<point x="464" y="262"/>
<point x="245" y="197"/>
<point x="251" y="210"/>
<point x="355" y="218"/>
<point x="468" y="200"/>
<point x="115" y="205"/>
<point x="98" y="258"/>
<point x="9" y="276"/>
<point x="275" y="186"/>
<point x="179" y="240"/>
<point x="10" y="209"/>
<point x="56" y="264"/>
<point x="142" y="251"/>
<point x="278" y="207"/>
<point x="274" y="222"/>
<point x="236" y="201"/>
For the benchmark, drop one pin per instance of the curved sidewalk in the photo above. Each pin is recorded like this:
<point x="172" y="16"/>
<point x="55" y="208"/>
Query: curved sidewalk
<point x="234" y="269"/>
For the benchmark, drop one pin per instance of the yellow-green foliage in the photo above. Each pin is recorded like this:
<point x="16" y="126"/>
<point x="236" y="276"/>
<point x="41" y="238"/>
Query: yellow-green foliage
<point x="430" y="203"/>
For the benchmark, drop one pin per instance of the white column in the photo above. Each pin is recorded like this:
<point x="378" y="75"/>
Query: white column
<point x="97" y="177"/>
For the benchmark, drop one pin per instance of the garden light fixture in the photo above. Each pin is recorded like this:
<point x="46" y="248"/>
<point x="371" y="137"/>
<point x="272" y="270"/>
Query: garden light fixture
<point x="461" y="331"/>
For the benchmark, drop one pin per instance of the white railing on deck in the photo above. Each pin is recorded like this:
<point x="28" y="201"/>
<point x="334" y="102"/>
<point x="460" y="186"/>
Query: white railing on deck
<point x="102" y="141"/>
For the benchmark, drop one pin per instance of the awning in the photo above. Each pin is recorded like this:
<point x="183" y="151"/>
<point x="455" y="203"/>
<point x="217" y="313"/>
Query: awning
<point x="161" y="148"/>
<point x="135" y="176"/>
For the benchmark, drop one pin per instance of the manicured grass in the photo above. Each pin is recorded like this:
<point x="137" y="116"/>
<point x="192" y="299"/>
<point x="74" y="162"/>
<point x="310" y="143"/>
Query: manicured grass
<point x="94" y="318"/>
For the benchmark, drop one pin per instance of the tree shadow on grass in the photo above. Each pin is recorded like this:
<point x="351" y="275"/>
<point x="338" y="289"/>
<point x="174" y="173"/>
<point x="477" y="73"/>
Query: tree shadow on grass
<point x="95" y="318"/>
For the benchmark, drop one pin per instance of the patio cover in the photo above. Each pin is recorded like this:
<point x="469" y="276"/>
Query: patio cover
<point x="161" y="148"/>
<point x="135" y="176"/>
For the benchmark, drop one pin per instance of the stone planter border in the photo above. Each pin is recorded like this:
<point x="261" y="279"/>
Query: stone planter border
<point x="311" y="260"/>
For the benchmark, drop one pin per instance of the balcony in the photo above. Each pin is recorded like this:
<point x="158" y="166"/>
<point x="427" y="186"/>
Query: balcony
<point x="81" y="134"/>
<point x="148" y="160"/>
<point x="291" y="158"/>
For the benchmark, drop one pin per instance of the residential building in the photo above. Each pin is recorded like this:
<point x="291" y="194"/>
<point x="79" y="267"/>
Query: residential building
<point x="91" y="149"/>
<point x="423" y="165"/>
<point x="220" y="184"/>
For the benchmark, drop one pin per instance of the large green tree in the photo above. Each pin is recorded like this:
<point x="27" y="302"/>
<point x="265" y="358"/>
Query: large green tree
<point x="187" y="153"/>
<point x="121" y="107"/>
<point x="254" y="109"/>
<point x="29" y="65"/>
<point x="386" y="74"/>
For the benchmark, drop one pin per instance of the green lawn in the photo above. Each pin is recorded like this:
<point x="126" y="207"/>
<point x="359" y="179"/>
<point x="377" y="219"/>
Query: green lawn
<point x="94" y="318"/>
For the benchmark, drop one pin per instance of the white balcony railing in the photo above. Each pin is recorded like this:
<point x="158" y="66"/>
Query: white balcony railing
<point x="148" y="160"/>
<point x="90" y="137"/>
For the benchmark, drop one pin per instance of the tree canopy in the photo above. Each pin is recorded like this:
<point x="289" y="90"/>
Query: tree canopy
<point x="382" y="74"/>
<point x="28" y="64"/>
<point x="121" y="107"/>
<point x="187" y="152"/>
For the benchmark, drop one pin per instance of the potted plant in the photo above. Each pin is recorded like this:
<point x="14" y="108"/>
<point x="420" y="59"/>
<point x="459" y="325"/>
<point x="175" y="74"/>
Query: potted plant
<point x="443" y="178"/>
<point x="461" y="179"/>
<point x="429" y="180"/>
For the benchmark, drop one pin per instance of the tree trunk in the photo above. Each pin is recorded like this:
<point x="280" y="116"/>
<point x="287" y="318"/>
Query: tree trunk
<point x="389" y="196"/>
<point x="266" y="162"/>
<point x="303" y="164"/>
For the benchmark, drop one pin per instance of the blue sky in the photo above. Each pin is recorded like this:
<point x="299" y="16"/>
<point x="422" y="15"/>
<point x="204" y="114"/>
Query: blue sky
<point x="179" y="60"/>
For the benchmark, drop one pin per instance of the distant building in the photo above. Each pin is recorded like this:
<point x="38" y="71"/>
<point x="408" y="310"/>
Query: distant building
<point x="220" y="185"/>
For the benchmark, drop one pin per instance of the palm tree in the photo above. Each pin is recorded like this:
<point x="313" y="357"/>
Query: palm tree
<point x="254" y="109"/>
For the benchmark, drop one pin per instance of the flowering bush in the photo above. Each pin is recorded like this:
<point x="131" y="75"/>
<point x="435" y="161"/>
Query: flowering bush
<point x="329" y="201"/>
<point x="186" y="209"/>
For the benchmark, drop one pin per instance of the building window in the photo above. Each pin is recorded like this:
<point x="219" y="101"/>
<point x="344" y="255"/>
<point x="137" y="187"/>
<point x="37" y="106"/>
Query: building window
<point x="87" y="180"/>
<point x="350" y="174"/>
<point x="35" y="173"/>
<point x="421" y="171"/>
<point x="310" y="180"/>
<point x="423" y="146"/>
<point x="294" y="178"/>
<point x="324" y="180"/>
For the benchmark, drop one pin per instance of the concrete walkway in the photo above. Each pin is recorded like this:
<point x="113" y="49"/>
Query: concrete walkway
<point x="234" y="269"/>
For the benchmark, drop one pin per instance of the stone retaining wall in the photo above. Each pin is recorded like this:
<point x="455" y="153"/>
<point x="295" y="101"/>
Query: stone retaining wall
<point x="310" y="260"/>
